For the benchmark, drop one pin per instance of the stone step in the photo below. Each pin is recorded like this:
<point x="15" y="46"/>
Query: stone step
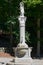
<point x="10" y="63"/>
<point x="23" y="60"/>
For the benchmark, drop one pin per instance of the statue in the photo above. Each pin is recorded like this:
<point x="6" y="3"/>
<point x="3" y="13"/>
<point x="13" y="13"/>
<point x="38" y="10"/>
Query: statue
<point x="22" y="8"/>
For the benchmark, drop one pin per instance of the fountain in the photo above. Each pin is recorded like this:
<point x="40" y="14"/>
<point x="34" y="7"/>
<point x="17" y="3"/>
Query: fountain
<point x="22" y="51"/>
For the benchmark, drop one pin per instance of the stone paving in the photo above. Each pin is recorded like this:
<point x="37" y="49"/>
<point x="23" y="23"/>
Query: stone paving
<point x="37" y="62"/>
<point x="4" y="60"/>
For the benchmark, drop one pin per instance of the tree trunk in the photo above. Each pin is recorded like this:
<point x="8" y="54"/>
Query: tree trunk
<point x="38" y="37"/>
<point x="11" y="36"/>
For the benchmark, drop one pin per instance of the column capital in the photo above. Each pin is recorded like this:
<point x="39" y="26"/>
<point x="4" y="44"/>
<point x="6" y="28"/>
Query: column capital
<point x="22" y="19"/>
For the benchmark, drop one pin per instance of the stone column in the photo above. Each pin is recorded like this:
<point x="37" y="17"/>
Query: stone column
<point x="22" y="20"/>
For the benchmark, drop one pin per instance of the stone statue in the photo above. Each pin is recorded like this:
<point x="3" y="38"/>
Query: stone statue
<point x="21" y="8"/>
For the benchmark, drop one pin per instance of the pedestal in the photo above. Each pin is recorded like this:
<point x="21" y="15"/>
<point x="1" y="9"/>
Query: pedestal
<point x="23" y="56"/>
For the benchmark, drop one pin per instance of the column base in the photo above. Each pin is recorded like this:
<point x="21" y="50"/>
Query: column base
<point x="23" y="60"/>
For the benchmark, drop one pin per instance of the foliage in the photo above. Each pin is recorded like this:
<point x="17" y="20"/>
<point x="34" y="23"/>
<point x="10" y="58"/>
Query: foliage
<point x="8" y="16"/>
<point x="33" y="11"/>
<point x="27" y="37"/>
<point x="32" y="2"/>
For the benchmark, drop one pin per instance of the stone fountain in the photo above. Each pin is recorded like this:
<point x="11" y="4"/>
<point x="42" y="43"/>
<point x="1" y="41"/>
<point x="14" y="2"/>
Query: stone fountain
<point x="22" y="51"/>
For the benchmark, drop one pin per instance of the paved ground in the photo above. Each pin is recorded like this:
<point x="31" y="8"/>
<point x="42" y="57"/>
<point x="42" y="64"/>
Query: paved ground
<point x="4" y="60"/>
<point x="37" y="62"/>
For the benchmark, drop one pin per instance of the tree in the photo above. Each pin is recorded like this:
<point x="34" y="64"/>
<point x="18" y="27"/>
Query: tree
<point x="8" y="10"/>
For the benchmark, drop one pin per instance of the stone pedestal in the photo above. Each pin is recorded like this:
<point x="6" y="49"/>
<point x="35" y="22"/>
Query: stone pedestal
<point x="23" y="56"/>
